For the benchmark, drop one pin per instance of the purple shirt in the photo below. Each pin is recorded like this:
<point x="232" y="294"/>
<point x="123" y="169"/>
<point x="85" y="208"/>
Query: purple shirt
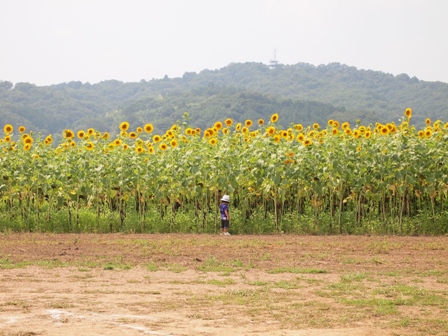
<point x="222" y="208"/>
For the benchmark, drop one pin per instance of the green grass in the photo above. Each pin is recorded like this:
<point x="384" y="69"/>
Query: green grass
<point x="7" y="263"/>
<point x="353" y="277"/>
<point x="296" y="270"/>
<point x="116" y="266"/>
<point x="216" y="282"/>
<point x="212" y="264"/>
<point x="376" y="302"/>
<point x="342" y="289"/>
<point x="258" y="283"/>
<point x="176" y="268"/>
<point x="423" y="326"/>
<point x="152" y="267"/>
<point x="286" y="285"/>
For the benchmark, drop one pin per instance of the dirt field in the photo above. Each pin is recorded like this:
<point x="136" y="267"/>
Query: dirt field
<point x="222" y="285"/>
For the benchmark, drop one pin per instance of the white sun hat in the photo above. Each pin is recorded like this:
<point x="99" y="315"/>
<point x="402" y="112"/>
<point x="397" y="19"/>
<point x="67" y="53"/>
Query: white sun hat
<point x="225" y="198"/>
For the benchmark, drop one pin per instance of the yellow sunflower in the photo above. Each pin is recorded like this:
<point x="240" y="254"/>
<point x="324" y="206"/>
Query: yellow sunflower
<point x="68" y="134"/>
<point x="148" y="128"/>
<point x="124" y="126"/>
<point x="274" y="118"/>
<point x="133" y="135"/>
<point x="8" y="128"/>
<point x="228" y="122"/>
<point x="173" y="143"/>
<point x="156" y="138"/>
<point x="248" y="123"/>
<point x="163" y="146"/>
<point x="218" y="125"/>
<point x="81" y="134"/>
<point x="260" y="122"/>
<point x="408" y="112"/>
<point x="213" y="141"/>
<point x="89" y="146"/>
<point x="22" y="129"/>
<point x="308" y="142"/>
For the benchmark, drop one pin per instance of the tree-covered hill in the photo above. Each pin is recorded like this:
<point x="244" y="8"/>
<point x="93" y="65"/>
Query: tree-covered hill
<point x="299" y="93"/>
<point x="339" y="85"/>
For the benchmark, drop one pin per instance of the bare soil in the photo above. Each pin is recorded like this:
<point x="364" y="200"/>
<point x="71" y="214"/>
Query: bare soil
<point x="125" y="284"/>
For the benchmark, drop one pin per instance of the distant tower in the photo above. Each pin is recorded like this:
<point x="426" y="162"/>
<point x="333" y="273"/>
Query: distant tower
<point x="273" y="63"/>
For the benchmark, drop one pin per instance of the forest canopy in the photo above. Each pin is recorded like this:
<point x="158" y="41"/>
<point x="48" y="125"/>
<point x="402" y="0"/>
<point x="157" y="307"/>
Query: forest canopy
<point x="300" y="92"/>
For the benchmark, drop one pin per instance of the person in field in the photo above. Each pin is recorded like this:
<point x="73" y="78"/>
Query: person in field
<point x="225" y="216"/>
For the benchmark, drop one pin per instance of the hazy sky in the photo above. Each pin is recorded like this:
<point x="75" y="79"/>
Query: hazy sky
<point x="54" y="41"/>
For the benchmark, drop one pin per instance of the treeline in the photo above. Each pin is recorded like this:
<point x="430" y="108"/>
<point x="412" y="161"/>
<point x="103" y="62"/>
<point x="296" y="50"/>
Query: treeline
<point x="300" y="93"/>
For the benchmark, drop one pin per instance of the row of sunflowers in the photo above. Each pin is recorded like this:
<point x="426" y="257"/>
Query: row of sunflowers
<point x="171" y="139"/>
<point x="338" y="177"/>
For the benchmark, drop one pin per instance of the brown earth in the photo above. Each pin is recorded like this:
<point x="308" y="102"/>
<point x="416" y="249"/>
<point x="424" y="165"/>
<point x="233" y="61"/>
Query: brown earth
<point x="119" y="284"/>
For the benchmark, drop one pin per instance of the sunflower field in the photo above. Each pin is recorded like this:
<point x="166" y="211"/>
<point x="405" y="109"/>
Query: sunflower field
<point x="313" y="179"/>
